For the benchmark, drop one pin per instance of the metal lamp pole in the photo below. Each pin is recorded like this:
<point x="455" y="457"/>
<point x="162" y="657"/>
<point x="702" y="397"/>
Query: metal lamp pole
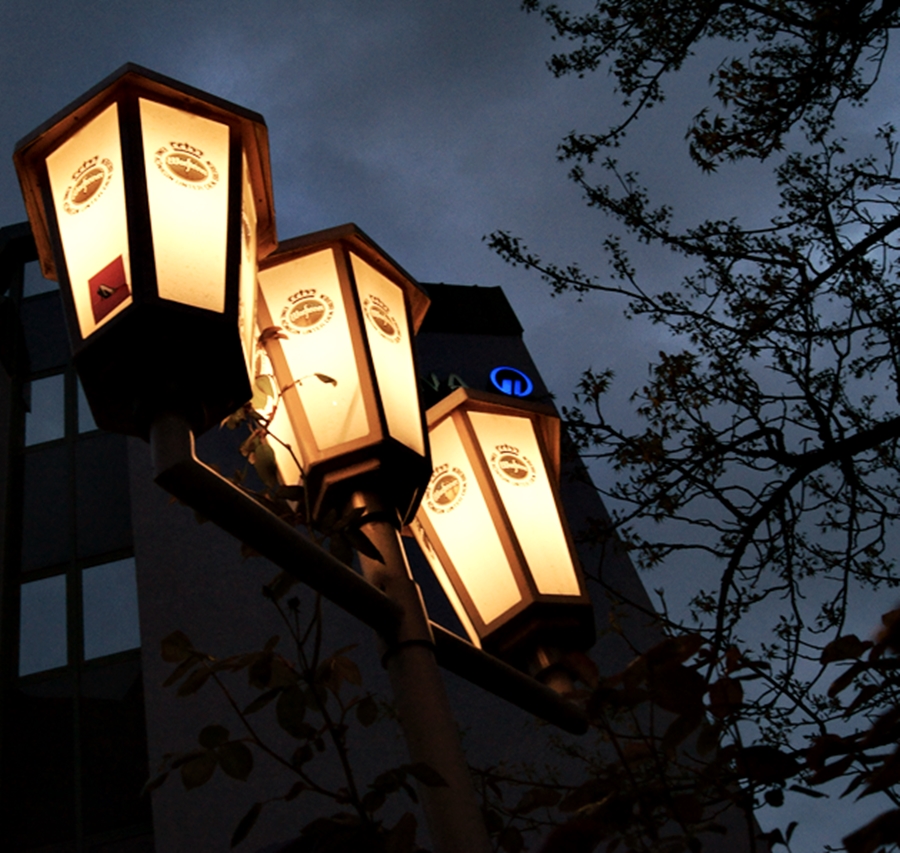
<point x="432" y="736"/>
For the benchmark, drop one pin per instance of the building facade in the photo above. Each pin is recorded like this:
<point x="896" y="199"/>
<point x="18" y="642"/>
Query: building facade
<point x="98" y="565"/>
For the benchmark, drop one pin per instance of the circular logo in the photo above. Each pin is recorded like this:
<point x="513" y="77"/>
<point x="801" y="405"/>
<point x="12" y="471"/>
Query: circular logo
<point x="512" y="465"/>
<point x="306" y="311"/>
<point x="446" y="489"/>
<point x="379" y="315"/>
<point x="88" y="184"/>
<point x="186" y="166"/>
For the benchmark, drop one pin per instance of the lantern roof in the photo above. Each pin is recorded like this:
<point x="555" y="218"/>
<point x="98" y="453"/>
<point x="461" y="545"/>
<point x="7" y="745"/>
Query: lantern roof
<point x="139" y="79"/>
<point x="352" y="236"/>
<point x="543" y="415"/>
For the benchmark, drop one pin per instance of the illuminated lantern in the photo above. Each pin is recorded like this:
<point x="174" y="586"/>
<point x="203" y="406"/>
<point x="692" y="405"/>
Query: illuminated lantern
<point x="151" y="203"/>
<point x="492" y="527"/>
<point x="340" y="317"/>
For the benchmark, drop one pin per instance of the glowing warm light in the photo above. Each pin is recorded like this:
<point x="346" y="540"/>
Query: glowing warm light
<point x="455" y="507"/>
<point x="338" y="317"/>
<point x="151" y="203"/>
<point x="186" y="164"/>
<point x="247" y="290"/>
<point x="89" y="198"/>
<point x="389" y="342"/>
<point x="446" y="583"/>
<point x="514" y="460"/>
<point x="303" y="298"/>
<point x="491" y="526"/>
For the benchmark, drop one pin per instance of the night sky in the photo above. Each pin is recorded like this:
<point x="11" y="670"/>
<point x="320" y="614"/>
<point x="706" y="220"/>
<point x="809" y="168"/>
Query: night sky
<point x="428" y="124"/>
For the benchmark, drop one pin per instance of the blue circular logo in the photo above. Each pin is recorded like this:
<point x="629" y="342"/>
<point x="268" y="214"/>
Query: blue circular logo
<point x="508" y="380"/>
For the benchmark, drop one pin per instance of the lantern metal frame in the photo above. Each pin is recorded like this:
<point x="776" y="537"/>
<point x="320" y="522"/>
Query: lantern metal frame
<point x="538" y="620"/>
<point x="154" y="336"/>
<point x="376" y="462"/>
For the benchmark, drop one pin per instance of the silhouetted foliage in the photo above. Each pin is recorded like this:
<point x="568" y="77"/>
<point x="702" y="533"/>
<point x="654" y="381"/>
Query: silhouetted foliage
<point x="768" y="448"/>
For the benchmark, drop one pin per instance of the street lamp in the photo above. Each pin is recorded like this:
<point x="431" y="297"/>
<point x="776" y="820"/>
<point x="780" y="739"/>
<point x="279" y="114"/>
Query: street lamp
<point x="344" y="368"/>
<point x="493" y="528"/>
<point x="150" y="203"/>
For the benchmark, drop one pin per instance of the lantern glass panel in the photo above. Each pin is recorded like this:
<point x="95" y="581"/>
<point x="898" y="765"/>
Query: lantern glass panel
<point x="247" y="291"/>
<point x="511" y="450"/>
<point x="444" y="579"/>
<point x="88" y="192"/>
<point x="304" y="298"/>
<point x="456" y="508"/>
<point x="186" y="162"/>
<point x="387" y="331"/>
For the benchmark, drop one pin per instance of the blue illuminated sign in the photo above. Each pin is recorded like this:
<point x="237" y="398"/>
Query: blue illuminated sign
<point x="508" y="380"/>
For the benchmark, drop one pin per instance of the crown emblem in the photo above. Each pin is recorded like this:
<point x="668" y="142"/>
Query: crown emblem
<point x="86" y="166"/>
<point x="186" y="149"/>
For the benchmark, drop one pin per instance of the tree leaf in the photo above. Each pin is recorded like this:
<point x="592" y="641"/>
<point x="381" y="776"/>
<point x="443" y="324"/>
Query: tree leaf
<point x="154" y="783"/>
<point x="846" y="678"/>
<point x="194" y="681"/>
<point x="290" y="711"/>
<point x="876" y="834"/>
<point x="346" y="670"/>
<point x="809" y="792"/>
<point x="367" y="711"/>
<point x="301" y="755"/>
<point x="185" y="666"/>
<point x="271" y="333"/>
<point x="373" y="800"/>
<point x="677" y="688"/>
<point x="213" y="736"/>
<point x="326" y="379"/>
<point x="264" y="384"/>
<point x="291" y="493"/>
<point x="242" y="830"/>
<point x="265" y="465"/>
<point x="176" y="647"/>
<point x="708" y="739"/>
<point x="848" y="647"/>
<point x="401" y="838"/>
<point x="198" y="770"/>
<point x="511" y="840"/>
<point x="425" y="774"/>
<point x="296" y="790"/>
<point x="236" y="759"/>
<point x="583" y="667"/>
<point x="725" y="697"/>
<point x="678" y="731"/>
<point x="766" y="764"/>
<point x="262" y="700"/>
<point x="341" y="549"/>
<point x="537" y="798"/>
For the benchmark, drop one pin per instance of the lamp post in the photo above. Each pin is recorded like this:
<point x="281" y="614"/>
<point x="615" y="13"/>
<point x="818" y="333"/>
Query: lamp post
<point x="341" y="316"/>
<point x="151" y="203"/>
<point x="494" y="531"/>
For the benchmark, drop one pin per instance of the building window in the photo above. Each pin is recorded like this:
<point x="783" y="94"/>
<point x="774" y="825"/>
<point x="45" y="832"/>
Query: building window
<point x="86" y="421"/>
<point x="46" y="416"/>
<point x="110" y="609"/>
<point x="108" y="616"/>
<point x="42" y="625"/>
<point x="34" y="283"/>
